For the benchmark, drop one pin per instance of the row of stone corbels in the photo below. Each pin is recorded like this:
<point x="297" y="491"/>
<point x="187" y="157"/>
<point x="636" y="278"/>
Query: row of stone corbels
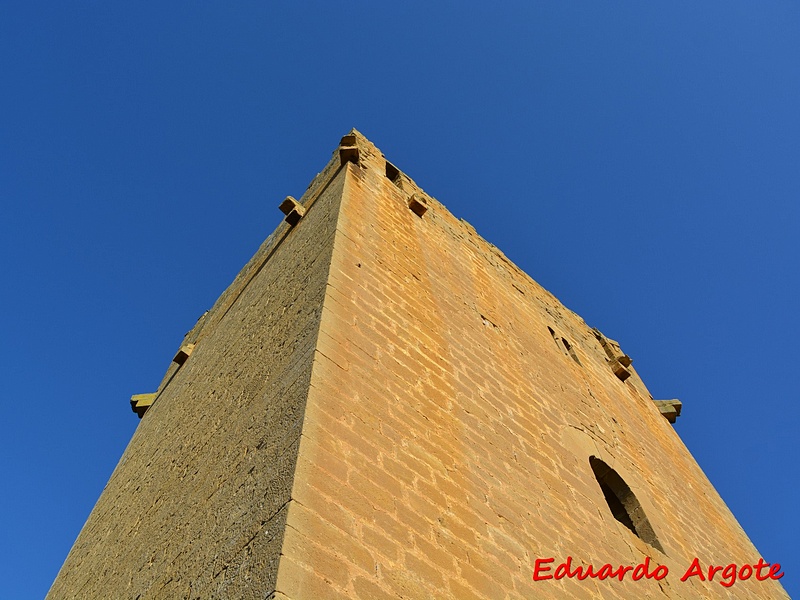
<point x="141" y="402"/>
<point x="620" y="364"/>
<point x="350" y="152"/>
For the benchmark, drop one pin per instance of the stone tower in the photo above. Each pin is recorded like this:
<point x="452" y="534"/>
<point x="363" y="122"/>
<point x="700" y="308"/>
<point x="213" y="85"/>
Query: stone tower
<point x="383" y="406"/>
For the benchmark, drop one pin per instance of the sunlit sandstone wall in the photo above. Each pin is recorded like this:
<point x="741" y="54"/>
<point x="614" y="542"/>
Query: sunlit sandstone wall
<point x="197" y="505"/>
<point x="447" y="435"/>
<point x="446" y="431"/>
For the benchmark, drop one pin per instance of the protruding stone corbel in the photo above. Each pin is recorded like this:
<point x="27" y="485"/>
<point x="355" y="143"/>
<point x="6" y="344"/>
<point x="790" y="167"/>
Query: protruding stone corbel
<point x="619" y="368"/>
<point x="617" y="359"/>
<point x="671" y="409"/>
<point x="183" y="353"/>
<point x="417" y="205"/>
<point x="141" y="402"/>
<point x="293" y="210"/>
<point x="348" y="150"/>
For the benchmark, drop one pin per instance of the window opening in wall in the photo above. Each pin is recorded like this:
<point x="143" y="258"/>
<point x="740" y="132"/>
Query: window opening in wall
<point x="623" y="503"/>
<point x="570" y="350"/>
<point x="553" y="333"/>
<point x="392" y="173"/>
<point x="564" y="345"/>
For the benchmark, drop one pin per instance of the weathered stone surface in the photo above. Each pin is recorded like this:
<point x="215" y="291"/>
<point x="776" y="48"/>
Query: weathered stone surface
<point x="141" y="402"/>
<point x="183" y="353"/>
<point x="197" y="505"/>
<point x="671" y="409"/>
<point x="376" y="409"/>
<point x="447" y="439"/>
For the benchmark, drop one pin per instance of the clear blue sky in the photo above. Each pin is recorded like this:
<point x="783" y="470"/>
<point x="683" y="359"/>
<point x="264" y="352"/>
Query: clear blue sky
<point x="640" y="160"/>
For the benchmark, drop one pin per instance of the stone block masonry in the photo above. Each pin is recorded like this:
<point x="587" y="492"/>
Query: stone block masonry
<point x="197" y="506"/>
<point x="383" y="406"/>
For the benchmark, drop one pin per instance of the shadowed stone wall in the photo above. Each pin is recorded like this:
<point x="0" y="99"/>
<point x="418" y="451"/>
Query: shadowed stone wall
<point x="382" y="406"/>
<point x="197" y="505"/>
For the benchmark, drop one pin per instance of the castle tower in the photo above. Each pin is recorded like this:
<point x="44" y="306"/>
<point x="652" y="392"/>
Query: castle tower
<point x="383" y="406"/>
